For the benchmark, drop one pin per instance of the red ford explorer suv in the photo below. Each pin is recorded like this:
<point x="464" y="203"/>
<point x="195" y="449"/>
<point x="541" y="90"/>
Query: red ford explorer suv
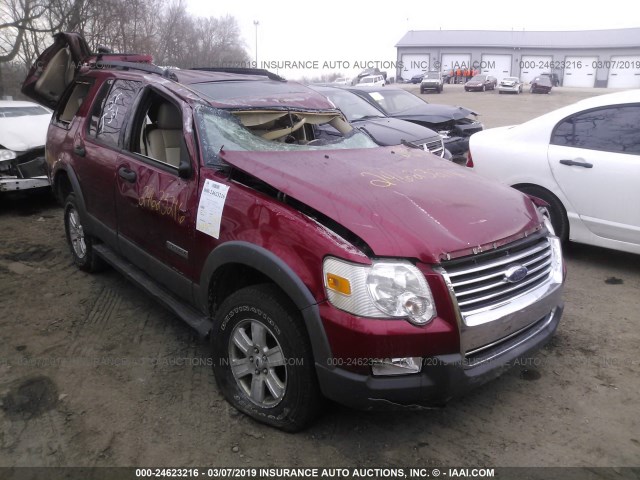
<point x="374" y="276"/>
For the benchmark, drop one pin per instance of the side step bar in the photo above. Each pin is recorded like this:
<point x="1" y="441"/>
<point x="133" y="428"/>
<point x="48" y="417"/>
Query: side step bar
<point x="201" y="323"/>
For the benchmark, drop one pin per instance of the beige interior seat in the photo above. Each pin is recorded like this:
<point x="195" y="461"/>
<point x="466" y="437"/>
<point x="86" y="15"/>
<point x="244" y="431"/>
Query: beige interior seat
<point x="164" y="140"/>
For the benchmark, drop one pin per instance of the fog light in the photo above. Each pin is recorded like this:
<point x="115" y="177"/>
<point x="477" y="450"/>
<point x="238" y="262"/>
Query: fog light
<point x="396" y="366"/>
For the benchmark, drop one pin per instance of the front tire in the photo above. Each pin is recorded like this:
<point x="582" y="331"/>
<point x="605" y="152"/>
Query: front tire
<point x="263" y="362"/>
<point x="80" y="244"/>
<point x="556" y="210"/>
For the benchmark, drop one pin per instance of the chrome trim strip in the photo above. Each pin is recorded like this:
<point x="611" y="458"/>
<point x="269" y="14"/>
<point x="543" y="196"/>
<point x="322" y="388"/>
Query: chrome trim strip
<point x="535" y="331"/>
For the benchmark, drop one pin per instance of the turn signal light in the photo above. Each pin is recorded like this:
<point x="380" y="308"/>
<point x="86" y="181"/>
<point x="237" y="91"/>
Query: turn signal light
<point x="338" y="284"/>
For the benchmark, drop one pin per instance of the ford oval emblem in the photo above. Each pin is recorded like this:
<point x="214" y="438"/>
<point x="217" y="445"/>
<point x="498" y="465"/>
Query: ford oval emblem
<point x="515" y="273"/>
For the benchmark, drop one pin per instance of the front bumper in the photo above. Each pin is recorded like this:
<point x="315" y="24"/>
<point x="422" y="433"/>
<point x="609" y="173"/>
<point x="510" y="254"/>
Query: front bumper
<point x="443" y="377"/>
<point x="26" y="172"/>
<point x="430" y="86"/>
<point x="13" y="184"/>
<point x="458" y="146"/>
<point x="508" y="88"/>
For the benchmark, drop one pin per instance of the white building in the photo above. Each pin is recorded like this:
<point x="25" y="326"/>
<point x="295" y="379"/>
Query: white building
<point x="587" y="58"/>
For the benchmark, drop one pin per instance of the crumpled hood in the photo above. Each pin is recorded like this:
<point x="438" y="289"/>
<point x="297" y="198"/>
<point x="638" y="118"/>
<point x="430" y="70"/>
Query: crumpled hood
<point x="24" y="133"/>
<point x="435" y="113"/>
<point x="402" y="202"/>
<point x="391" y="131"/>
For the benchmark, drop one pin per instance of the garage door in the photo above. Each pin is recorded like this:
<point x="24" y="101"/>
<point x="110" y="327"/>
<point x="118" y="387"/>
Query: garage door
<point x="453" y="61"/>
<point x="413" y="64"/>
<point x="624" y="72"/>
<point x="580" y="71"/>
<point x="497" y="65"/>
<point x="533" y="65"/>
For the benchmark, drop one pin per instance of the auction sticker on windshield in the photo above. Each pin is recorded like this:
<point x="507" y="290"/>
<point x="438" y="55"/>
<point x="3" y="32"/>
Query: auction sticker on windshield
<point x="212" y="200"/>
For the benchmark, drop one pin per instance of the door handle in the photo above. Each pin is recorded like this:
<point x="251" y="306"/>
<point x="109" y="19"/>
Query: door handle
<point x="127" y="175"/>
<point x="576" y="163"/>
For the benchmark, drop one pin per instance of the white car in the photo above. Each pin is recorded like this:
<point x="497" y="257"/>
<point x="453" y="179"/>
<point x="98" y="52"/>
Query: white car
<point x="371" y="81"/>
<point x="510" y="85"/>
<point x="23" y="132"/>
<point x="342" y="81"/>
<point x="583" y="160"/>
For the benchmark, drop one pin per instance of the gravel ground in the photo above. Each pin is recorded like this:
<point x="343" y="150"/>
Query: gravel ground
<point x="93" y="373"/>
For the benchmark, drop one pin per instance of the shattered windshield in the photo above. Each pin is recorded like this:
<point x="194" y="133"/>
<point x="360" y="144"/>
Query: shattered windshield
<point x="264" y="131"/>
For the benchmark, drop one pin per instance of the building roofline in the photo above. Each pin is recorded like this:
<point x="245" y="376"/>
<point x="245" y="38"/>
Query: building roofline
<point x="604" y="38"/>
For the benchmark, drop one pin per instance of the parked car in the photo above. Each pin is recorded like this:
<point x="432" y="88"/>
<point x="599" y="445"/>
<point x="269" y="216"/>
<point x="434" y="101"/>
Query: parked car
<point x="453" y="123"/>
<point x="510" y="85"/>
<point x="372" y="81"/>
<point x="432" y="81"/>
<point x="481" y="83"/>
<point x="417" y="78"/>
<point x="23" y="132"/>
<point x="371" y="275"/>
<point x="583" y="160"/>
<point x="555" y="79"/>
<point x="342" y="81"/>
<point x="541" y="84"/>
<point x="382" y="129"/>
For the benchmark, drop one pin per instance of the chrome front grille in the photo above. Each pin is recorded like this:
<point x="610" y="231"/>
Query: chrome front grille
<point x="482" y="281"/>
<point x="434" y="146"/>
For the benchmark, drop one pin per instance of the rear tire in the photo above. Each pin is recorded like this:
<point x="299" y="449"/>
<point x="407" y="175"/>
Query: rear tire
<point x="263" y="361"/>
<point x="80" y="244"/>
<point x="556" y="210"/>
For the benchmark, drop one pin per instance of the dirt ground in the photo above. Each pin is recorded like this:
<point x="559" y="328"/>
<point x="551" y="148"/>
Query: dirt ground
<point x="93" y="373"/>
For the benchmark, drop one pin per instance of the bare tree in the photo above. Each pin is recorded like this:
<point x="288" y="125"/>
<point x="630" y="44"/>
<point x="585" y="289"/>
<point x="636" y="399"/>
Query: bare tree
<point x="162" y="28"/>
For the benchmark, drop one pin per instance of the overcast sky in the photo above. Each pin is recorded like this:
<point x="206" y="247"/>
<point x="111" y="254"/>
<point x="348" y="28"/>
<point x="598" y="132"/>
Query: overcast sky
<point x="365" y="31"/>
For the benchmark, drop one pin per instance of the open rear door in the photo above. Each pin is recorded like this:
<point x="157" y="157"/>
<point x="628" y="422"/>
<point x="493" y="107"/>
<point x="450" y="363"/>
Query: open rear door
<point x="55" y="69"/>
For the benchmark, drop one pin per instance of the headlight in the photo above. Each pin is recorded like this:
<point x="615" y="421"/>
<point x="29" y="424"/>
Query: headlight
<point x="546" y="217"/>
<point x="7" y="154"/>
<point x="557" y="270"/>
<point x="385" y="289"/>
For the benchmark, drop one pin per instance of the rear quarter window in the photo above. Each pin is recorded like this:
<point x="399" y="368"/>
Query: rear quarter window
<point x="71" y="102"/>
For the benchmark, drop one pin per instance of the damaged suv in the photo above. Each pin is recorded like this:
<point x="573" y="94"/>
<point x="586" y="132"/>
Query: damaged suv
<point x="374" y="276"/>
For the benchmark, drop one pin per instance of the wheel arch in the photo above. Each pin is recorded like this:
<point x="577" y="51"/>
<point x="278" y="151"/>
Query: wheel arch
<point x="237" y="264"/>
<point x="66" y="181"/>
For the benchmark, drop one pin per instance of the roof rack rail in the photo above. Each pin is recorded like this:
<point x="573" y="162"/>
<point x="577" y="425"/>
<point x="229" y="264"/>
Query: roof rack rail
<point x="243" y="71"/>
<point x="145" y="67"/>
